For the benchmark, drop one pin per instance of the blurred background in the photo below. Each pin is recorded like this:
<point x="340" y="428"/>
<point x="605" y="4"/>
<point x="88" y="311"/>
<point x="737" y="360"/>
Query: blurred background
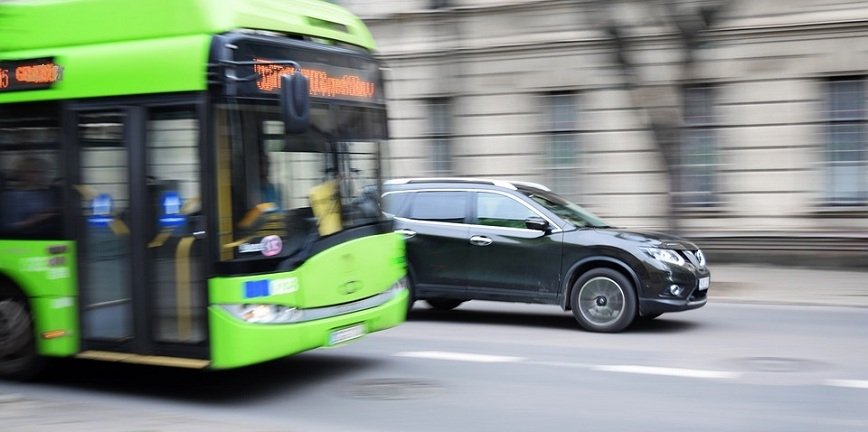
<point x="739" y="124"/>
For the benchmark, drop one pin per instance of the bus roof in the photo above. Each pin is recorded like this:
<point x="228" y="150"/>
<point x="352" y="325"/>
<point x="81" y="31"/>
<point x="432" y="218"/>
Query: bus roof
<point x="115" y="47"/>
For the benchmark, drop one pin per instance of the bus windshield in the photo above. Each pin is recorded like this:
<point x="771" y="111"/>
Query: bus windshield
<point x="289" y="191"/>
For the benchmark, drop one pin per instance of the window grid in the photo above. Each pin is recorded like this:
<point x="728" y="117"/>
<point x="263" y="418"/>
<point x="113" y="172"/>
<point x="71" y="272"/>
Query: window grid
<point x="562" y="157"/>
<point x="697" y="182"/>
<point x="845" y="142"/>
<point x="441" y="136"/>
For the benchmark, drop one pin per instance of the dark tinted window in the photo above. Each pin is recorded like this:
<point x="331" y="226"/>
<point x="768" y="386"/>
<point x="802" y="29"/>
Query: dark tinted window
<point x="30" y="171"/>
<point x="439" y="206"/>
<point x="393" y="203"/>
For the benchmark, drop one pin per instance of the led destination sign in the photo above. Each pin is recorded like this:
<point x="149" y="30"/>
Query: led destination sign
<point x="321" y="83"/>
<point x="31" y="74"/>
<point x="331" y="74"/>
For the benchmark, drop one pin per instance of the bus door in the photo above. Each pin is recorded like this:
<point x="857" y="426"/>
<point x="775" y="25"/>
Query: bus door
<point x="141" y="230"/>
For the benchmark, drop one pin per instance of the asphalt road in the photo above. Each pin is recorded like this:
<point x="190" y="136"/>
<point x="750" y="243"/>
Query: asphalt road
<point x="498" y="367"/>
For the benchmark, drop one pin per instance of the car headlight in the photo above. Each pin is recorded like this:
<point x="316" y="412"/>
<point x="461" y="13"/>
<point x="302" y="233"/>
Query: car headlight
<point x="665" y="255"/>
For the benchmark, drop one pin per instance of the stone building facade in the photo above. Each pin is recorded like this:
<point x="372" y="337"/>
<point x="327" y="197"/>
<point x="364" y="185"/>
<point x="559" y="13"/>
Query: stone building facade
<point x="769" y="100"/>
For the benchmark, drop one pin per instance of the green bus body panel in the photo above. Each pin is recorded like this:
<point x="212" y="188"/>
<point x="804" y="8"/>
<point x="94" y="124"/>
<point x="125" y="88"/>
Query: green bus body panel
<point x="31" y="24"/>
<point x="49" y="281"/>
<point x="122" y="68"/>
<point x="126" y="47"/>
<point x="341" y="274"/>
<point x="371" y="263"/>
<point x="53" y="314"/>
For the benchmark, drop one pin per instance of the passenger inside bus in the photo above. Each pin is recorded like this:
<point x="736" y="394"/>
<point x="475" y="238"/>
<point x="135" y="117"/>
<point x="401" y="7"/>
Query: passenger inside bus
<point x="269" y="191"/>
<point x="30" y="202"/>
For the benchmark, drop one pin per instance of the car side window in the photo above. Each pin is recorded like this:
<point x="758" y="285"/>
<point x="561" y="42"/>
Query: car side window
<point x="439" y="206"/>
<point x="394" y="202"/>
<point x="502" y="211"/>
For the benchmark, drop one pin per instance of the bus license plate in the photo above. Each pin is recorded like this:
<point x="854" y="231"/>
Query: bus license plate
<point x="703" y="283"/>
<point x="346" y="334"/>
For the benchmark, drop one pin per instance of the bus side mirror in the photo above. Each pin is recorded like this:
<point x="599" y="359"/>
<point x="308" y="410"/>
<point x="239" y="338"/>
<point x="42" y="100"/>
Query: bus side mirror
<point x="295" y="103"/>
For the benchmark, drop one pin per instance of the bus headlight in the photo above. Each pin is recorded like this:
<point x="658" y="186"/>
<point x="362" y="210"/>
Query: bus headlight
<point x="279" y="314"/>
<point x="401" y="285"/>
<point x="263" y="313"/>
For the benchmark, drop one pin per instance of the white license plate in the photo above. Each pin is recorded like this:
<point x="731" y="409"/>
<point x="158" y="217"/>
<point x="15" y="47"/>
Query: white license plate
<point x="703" y="283"/>
<point x="346" y="334"/>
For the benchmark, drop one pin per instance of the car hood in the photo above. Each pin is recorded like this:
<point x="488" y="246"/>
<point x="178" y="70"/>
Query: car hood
<point x="650" y="239"/>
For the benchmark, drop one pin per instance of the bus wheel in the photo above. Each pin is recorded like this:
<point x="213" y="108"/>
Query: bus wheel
<point x="18" y="358"/>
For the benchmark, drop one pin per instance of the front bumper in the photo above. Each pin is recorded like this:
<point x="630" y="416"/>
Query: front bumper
<point x="235" y="343"/>
<point x="658" y="306"/>
<point x="657" y="299"/>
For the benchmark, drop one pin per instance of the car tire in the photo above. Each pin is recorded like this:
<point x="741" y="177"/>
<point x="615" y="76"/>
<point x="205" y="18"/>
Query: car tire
<point x="603" y="300"/>
<point x="411" y="291"/>
<point x="18" y="357"/>
<point x="443" y="304"/>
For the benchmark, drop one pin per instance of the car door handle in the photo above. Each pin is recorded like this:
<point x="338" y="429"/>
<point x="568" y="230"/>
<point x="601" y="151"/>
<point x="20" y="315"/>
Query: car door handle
<point x="406" y="233"/>
<point x="480" y="240"/>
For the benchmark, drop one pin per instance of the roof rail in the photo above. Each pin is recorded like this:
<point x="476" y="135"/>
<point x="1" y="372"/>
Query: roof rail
<point x="531" y="184"/>
<point x="500" y="183"/>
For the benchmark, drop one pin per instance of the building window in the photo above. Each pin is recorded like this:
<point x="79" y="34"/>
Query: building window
<point x="845" y="142"/>
<point x="697" y="170"/>
<point x="441" y="135"/>
<point x="561" y="157"/>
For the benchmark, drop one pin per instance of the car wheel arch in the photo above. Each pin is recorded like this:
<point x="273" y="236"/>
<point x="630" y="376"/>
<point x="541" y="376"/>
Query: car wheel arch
<point x="583" y="266"/>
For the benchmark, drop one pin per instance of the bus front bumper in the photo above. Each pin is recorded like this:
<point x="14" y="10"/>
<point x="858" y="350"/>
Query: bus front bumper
<point x="235" y="343"/>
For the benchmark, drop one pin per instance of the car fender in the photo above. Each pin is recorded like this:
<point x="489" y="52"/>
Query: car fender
<point x="587" y="264"/>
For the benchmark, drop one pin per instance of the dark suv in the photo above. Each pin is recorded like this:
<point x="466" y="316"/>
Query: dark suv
<point x="519" y="242"/>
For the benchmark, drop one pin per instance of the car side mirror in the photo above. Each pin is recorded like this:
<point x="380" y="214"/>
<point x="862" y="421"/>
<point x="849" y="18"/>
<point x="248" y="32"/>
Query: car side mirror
<point x="537" y="223"/>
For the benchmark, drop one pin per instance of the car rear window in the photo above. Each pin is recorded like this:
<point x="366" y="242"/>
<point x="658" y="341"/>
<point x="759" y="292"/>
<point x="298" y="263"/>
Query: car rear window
<point x="439" y="206"/>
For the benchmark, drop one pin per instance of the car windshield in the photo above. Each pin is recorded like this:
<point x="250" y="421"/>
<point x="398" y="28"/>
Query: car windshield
<point x="570" y="212"/>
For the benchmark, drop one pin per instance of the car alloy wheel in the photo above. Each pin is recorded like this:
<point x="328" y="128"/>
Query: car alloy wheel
<point x="603" y="300"/>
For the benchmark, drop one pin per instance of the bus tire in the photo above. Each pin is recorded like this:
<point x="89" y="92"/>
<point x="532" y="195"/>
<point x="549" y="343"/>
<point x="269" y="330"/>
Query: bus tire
<point x="18" y="357"/>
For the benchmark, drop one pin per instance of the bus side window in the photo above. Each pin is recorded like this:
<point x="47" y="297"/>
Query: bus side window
<point x="3" y="202"/>
<point x="30" y="199"/>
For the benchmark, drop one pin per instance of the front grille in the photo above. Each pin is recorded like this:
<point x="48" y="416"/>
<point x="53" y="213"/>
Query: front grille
<point x="698" y="295"/>
<point x="694" y="257"/>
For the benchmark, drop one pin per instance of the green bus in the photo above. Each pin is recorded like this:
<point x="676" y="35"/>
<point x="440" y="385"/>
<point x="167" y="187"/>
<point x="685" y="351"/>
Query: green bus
<point x="159" y="205"/>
